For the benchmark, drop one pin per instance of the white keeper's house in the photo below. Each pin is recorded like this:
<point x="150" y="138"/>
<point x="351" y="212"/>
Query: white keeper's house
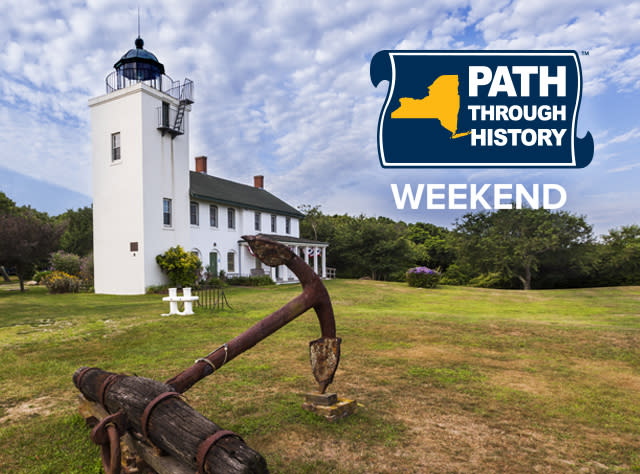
<point x="146" y="200"/>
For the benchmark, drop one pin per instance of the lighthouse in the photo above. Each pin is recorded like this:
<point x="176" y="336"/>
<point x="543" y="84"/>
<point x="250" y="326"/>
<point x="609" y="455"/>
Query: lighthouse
<point x="140" y="172"/>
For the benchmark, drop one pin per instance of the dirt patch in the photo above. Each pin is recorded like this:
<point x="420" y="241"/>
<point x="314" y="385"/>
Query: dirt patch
<point x="42" y="406"/>
<point x="435" y="442"/>
<point x="610" y="373"/>
<point x="522" y="381"/>
<point x="465" y="442"/>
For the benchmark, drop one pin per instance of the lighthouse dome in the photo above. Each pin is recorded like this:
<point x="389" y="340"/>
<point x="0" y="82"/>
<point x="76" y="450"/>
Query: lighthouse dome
<point x="139" y="64"/>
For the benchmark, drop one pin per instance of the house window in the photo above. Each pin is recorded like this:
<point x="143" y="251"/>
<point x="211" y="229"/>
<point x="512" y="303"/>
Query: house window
<point x="274" y="223"/>
<point x="193" y="211"/>
<point x="287" y="225"/>
<point x="166" y="211"/>
<point x="231" y="263"/>
<point x="258" y="217"/>
<point x="231" y="218"/>
<point x="213" y="215"/>
<point x="115" y="146"/>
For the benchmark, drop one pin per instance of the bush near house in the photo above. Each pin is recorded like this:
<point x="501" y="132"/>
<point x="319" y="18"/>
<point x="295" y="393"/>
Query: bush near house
<point x="263" y="280"/>
<point x="423" y="277"/>
<point x="62" y="261"/>
<point x="61" y="282"/>
<point x="213" y="282"/>
<point x="86" y="269"/>
<point x="182" y="268"/>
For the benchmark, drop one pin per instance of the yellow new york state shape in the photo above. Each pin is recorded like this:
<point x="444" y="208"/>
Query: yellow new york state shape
<point x="441" y="103"/>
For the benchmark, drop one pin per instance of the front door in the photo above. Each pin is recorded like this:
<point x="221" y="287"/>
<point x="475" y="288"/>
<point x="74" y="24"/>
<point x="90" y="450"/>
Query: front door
<point x="213" y="264"/>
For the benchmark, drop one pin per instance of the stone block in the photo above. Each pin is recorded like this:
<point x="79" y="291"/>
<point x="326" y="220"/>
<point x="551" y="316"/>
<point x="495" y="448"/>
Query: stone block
<point x="341" y="409"/>
<point x="324" y="399"/>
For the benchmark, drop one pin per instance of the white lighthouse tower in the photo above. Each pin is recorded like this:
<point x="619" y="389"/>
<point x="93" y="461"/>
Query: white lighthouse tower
<point x="140" y="154"/>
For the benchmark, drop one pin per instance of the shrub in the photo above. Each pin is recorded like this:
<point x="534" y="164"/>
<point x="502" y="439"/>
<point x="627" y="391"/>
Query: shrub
<point x="39" y="276"/>
<point x="457" y="275"/>
<point x="157" y="290"/>
<point x="214" y="282"/>
<point x="61" y="282"/>
<point x="182" y="268"/>
<point x="62" y="261"/>
<point x="490" y="280"/>
<point x="423" y="277"/>
<point x="263" y="280"/>
<point x="86" y="269"/>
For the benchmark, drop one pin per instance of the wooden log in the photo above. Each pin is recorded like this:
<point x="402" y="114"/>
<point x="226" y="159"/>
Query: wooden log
<point x="172" y="426"/>
<point x="135" y="452"/>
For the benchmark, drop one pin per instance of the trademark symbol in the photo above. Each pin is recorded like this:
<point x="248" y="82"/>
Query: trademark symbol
<point x="585" y="53"/>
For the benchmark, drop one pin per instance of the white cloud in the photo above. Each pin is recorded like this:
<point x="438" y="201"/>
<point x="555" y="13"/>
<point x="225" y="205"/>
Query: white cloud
<point x="621" y="138"/>
<point x="606" y="30"/>
<point x="624" y="168"/>
<point x="282" y="88"/>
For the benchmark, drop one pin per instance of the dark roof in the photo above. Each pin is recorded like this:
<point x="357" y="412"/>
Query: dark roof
<point x="291" y="239"/>
<point x="140" y="55"/>
<point x="211" y="188"/>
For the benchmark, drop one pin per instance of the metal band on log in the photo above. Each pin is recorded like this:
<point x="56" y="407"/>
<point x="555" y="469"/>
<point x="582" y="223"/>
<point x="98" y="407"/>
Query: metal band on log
<point x="172" y="426"/>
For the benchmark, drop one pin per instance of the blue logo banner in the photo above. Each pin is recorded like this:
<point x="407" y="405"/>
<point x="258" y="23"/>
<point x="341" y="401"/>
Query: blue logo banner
<point x="480" y="109"/>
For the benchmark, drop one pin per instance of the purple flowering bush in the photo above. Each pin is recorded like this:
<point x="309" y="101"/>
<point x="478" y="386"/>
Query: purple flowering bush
<point x="423" y="277"/>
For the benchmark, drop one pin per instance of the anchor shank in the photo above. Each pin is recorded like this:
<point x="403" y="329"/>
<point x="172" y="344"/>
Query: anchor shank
<point x="241" y="343"/>
<point x="314" y="295"/>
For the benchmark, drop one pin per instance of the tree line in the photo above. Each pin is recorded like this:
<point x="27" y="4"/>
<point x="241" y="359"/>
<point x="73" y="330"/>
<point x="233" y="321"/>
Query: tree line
<point x="513" y="248"/>
<point x="28" y="237"/>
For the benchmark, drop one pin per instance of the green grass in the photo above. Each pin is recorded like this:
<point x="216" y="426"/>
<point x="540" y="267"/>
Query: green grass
<point x="447" y="380"/>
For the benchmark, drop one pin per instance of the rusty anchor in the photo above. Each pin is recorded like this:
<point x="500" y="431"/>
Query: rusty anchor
<point x="324" y="352"/>
<point x="155" y="412"/>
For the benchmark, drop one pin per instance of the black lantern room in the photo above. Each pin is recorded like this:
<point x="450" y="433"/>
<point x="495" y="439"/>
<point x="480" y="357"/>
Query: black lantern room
<point x="139" y="64"/>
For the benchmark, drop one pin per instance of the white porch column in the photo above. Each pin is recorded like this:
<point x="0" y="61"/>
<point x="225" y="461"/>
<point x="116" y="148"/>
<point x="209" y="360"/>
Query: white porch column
<point x="315" y="260"/>
<point x="324" y="262"/>
<point x="297" y="252"/>
<point x="306" y="254"/>
<point x="272" y="272"/>
<point x="285" y="273"/>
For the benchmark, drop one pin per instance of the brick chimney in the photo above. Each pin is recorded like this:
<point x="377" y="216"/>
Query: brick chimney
<point x="258" y="181"/>
<point x="201" y="164"/>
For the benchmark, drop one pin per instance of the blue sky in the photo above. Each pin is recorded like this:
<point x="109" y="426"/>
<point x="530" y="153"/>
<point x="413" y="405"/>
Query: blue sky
<point x="282" y="89"/>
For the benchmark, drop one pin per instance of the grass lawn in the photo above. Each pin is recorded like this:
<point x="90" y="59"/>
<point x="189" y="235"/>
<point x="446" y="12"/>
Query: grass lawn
<point x="448" y="380"/>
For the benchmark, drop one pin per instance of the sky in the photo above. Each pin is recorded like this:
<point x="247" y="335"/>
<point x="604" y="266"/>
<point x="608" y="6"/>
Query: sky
<point x="282" y="89"/>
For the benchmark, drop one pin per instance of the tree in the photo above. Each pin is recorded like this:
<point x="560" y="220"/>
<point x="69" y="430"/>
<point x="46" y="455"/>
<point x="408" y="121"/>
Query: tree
<point x="384" y="252"/>
<point x="7" y="206"/>
<point x="434" y="245"/>
<point x="366" y="246"/>
<point x="78" y="236"/>
<point x="513" y="242"/>
<point x="27" y="240"/>
<point x="315" y="225"/>
<point x="620" y="256"/>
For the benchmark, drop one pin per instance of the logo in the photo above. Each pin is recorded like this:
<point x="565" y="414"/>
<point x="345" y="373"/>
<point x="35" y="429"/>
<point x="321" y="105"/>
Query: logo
<point x="480" y="109"/>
